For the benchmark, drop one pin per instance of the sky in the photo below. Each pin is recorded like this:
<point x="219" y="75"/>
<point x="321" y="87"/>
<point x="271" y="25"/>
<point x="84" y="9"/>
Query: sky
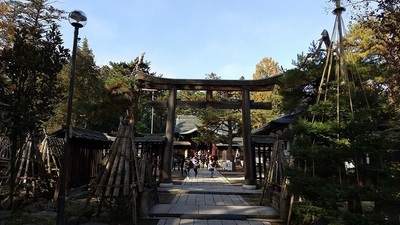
<point x="188" y="39"/>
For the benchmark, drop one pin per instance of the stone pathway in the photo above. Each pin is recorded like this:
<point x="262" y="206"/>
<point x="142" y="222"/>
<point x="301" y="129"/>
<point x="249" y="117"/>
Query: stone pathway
<point x="210" y="201"/>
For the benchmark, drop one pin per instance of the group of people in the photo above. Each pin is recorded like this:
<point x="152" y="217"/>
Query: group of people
<point x="194" y="163"/>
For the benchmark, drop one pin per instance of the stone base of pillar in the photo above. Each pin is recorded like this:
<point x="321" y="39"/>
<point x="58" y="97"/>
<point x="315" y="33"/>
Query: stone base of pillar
<point x="166" y="185"/>
<point x="249" y="187"/>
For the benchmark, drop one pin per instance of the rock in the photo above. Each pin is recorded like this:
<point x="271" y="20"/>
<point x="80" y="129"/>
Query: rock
<point x="45" y="213"/>
<point x="75" y="220"/>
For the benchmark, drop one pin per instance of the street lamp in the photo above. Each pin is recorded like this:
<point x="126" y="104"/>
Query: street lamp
<point x="78" y="20"/>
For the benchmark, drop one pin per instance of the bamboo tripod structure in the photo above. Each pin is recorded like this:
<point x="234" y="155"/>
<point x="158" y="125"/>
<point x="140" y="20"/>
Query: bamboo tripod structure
<point x="124" y="176"/>
<point x="30" y="170"/>
<point x="274" y="178"/>
<point x="5" y="158"/>
<point x="52" y="151"/>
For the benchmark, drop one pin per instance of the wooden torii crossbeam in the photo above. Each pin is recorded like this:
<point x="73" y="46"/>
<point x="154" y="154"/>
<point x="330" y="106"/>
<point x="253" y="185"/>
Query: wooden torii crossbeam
<point x="148" y="82"/>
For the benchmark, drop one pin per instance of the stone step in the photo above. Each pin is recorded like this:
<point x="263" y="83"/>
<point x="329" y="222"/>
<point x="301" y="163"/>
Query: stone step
<point x="213" y="211"/>
<point x="216" y="221"/>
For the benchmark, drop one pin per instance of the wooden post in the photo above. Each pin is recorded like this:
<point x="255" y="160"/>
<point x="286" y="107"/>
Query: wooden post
<point x="165" y="170"/>
<point x="248" y="154"/>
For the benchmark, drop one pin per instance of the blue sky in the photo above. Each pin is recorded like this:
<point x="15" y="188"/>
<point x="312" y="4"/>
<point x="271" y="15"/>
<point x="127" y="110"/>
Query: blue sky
<point x="189" y="39"/>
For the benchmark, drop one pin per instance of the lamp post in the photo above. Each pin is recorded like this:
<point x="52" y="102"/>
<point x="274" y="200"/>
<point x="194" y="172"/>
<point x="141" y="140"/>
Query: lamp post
<point x="78" y="20"/>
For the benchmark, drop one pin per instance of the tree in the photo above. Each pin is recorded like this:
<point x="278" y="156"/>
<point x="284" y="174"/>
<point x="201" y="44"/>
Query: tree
<point x="218" y="125"/>
<point x="88" y="93"/>
<point x="191" y="95"/>
<point x="103" y="95"/>
<point x="344" y="121"/>
<point x="119" y="84"/>
<point x="7" y="25"/>
<point x="267" y="67"/>
<point x="31" y="55"/>
<point x="381" y="18"/>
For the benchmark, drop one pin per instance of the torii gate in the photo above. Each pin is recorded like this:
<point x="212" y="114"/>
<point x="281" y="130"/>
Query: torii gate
<point x="244" y="86"/>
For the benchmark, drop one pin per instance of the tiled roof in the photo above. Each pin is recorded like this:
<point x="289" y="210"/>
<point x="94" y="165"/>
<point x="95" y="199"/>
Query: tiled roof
<point x="81" y="133"/>
<point x="143" y="138"/>
<point x="88" y="134"/>
<point x="274" y="124"/>
<point x="186" y="124"/>
<point x="236" y="142"/>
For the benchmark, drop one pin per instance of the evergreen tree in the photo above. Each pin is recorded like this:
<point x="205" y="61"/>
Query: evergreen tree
<point x="381" y="19"/>
<point x="88" y="93"/>
<point x="342" y="146"/>
<point x="32" y="55"/>
<point x="219" y="125"/>
<point x="119" y="84"/>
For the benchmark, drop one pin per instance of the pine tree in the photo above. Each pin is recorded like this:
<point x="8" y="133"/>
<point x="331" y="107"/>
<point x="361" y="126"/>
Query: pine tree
<point x="342" y="145"/>
<point x="88" y="92"/>
<point x="219" y="125"/>
<point x="32" y="54"/>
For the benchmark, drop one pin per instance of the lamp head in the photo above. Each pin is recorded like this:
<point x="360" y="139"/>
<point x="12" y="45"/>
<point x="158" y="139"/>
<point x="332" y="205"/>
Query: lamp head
<point x="77" y="18"/>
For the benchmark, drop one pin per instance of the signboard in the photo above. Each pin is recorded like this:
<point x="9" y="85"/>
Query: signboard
<point x="227" y="165"/>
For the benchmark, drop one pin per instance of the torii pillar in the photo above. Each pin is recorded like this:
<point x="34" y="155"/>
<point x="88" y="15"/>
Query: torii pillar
<point x="249" y="155"/>
<point x="166" y="156"/>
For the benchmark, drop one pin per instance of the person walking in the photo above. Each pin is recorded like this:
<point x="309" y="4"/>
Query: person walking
<point x="174" y="163"/>
<point x="196" y="165"/>
<point x="188" y="166"/>
<point x="182" y="165"/>
<point x="211" y="167"/>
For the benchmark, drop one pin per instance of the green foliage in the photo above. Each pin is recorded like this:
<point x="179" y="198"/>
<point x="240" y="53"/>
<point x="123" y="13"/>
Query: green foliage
<point x="375" y="37"/>
<point x="147" y="114"/>
<point x="30" y="65"/>
<point x="217" y="125"/>
<point x="102" y="95"/>
<point x="342" y="147"/>
<point x="307" y="214"/>
<point x="221" y="126"/>
<point x="120" y="92"/>
<point x="190" y="96"/>
<point x="31" y="56"/>
<point x="87" y="95"/>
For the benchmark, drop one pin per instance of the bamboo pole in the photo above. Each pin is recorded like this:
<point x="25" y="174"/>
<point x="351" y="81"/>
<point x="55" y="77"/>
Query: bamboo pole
<point x="53" y="160"/>
<point x="127" y="170"/>
<point x="113" y="169"/>
<point x="22" y="150"/>
<point x="105" y="174"/>
<point x="121" y="165"/>
<point x="142" y="172"/>
<point x="136" y="163"/>
<point x="48" y="156"/>
<point x="134" y="207"/>
<point x="45" y="153"/>
<point x="29" y="149"/>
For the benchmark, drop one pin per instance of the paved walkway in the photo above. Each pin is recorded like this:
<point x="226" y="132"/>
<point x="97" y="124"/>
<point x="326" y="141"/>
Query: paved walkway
<point x="209" y="200"/>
